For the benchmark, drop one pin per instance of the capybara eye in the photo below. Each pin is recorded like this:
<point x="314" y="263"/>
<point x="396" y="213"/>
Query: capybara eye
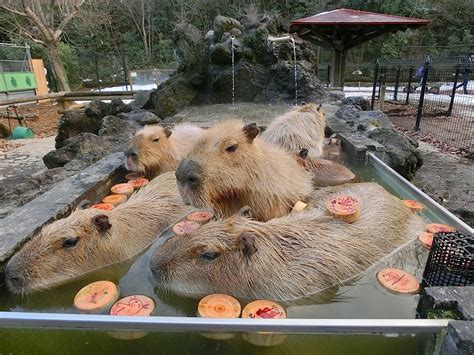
<point x="209" y="256"/>
<point x="231" y="148"/>
<point x="156" y="140"/>
<point x="70" y="242"/>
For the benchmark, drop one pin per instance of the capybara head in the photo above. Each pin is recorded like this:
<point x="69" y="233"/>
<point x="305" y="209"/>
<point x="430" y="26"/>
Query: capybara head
<point x="150" y="151"/>
<point x="230" y="167"/>
<point x="65" y="247"/>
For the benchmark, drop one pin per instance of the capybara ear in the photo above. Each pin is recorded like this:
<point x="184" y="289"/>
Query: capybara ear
<point x="303" y="153"/>
<point x="251" y="131"/>
<point x="83" y="205"/>
<point x="319" y="107"/>
<point x="168" y="131"/>
<point x="248" y="244"/>
<point x="245" y="212"/>
<point x="101" y="221"/>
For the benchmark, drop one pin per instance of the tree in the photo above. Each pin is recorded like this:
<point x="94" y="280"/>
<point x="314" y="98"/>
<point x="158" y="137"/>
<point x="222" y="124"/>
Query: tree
<point x="44" y="22"/>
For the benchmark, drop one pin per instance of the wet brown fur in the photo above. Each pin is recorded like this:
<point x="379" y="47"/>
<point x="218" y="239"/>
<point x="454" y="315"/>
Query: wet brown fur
<point x="292" y="256"/>
<point x="154" y="158"/>
<point x="297" y="129"/>
<point x="44" y="261"/>
<point x="257" y="174"/>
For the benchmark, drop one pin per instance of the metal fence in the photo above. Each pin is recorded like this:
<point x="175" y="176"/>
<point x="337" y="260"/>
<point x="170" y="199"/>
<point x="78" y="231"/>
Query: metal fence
<point x="434" y="96"/>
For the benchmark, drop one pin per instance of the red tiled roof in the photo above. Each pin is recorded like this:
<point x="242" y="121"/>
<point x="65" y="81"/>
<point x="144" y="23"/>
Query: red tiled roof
<point x="349" y="17"/>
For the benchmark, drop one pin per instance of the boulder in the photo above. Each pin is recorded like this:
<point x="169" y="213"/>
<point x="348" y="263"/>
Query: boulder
<point x="117" y="128"/>
<point x="361" y="102"/>
<point x="173" y="97"/>
<point x="142" y="117"/>
<point x="85" y="146"/>
<point x="98" y="109"/>
<point x="74" y="122"/>
<point x="401" y="153"/>
<point x="141" y="99"/>
<point x="189" y="43"/>
<point x="224" y="24"/>
<point x="118" y="106"/>
<point x="348" y="113"/>
<point x="369" y="120"/>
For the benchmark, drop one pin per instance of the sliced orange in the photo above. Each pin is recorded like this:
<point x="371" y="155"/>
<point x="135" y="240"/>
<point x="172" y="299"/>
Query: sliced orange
<point x="219" y="306"/>
<point x="137" y="183"/>
<point x="438" y="227"/>
<point x="124" y="189"/>
<point x="185" y="227"/>
<point x="201" y="217"/>
<point x="344" y="207"/>
<point x="415" y="206"/>
<point x="103" y="206"/>
<point x="135" y="305"/>
<point x="115" y="199"/>
<point x="96" y="297"/>
<point x="426" y="239"/>
<point x="398" y="281"/>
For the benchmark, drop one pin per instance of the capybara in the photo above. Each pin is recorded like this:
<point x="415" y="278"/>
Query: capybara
<point x="288" y="257"/>
<point x="325" y="172"/>
<point x="155" y="150"/>
<point x="332" y="150"/>
<point x="230" y="167"/>
<point x="297" y="129"/>
<point x="90" y="239"/>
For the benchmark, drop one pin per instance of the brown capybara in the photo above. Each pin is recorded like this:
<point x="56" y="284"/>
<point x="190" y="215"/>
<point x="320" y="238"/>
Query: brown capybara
<point x="90" y="239"/>
<point x="230" y="167"/>
<point x="288" y="257"/>
<point x="297" y="129"/>
<point x="332" y="150"/>
<point x="325" y="172"/>
<point x="155" y="150"/>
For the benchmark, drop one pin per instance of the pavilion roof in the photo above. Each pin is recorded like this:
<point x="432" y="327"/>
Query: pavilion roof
<point x="349" y="17"/>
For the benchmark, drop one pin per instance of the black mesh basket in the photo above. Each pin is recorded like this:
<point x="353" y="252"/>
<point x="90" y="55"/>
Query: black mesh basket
<point x="450" y="261"/>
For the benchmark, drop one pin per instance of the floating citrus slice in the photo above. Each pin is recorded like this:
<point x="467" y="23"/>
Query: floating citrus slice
<point x="219" y="306"/>
<point x="201" y="217"/>
<point x="115" y="199"/>
<point x="398" y="281"/>
<point x="344" y="207"/>
<point x="103" y="206"/>
<point x="438" y="227"/>
<point x="96" y="297"/>
<point x="137" y="183"/>
<point x="426" y="239"/>
<point x="124" y="189"/>
<point x="185" y="227"/>
<point x="135" y="305"/>
<point x="415" y="206"/>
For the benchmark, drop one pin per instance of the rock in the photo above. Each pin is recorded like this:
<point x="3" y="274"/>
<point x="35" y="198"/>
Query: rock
<point x="117" y="128"/>
<point x="224" y="24"/>
<point x="72" y="123"/>
<point x="189" y="42"/>
<point x="221" y="53"/>
<point x="336" y="96"/>
<point x="359" y="101"/>
<point x="141" y="99"/>
<point x="118" y="106"/>
<point x="141" y="117"/>
<point x="98" y="109"/>
<point x="85" y="146"/>
<point x="401" y="153"/>
<point x="348" y="113"/>
<point x="173" y="97"/>
<point x="369" y="120"/>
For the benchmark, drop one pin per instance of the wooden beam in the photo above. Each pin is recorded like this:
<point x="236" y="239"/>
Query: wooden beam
<point x="20" y="100"/>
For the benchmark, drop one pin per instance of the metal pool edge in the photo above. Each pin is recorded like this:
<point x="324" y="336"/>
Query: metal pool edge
<point x="180" y="324"/>
<point x="454" y="221"/>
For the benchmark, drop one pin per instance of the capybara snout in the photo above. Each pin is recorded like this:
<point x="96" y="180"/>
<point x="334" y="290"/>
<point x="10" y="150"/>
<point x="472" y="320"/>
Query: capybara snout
<point x="14" y="278"/>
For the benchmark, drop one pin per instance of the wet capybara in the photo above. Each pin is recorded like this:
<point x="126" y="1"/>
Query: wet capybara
<point x="90" y="239"/>
<point x="155" y="150"/>
<point x="288" y="257"/>
<point x="297" y="129"/>
<point x="230" y="167"/>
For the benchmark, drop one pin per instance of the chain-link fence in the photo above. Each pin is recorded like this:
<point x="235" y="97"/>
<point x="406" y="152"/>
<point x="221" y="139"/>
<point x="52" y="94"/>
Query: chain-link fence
<point x="434" y="96"/>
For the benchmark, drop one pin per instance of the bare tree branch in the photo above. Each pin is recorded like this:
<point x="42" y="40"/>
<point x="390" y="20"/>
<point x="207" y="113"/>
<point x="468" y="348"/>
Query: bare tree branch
<point x="67" y="19"/>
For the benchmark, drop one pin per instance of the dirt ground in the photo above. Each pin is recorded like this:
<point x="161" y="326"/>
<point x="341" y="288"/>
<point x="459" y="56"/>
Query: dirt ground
<point x="451" y="134"/>
<point x="44" y="123"/>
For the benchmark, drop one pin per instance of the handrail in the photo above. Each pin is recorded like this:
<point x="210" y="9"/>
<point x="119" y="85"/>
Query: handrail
<point x="161" y="323"/>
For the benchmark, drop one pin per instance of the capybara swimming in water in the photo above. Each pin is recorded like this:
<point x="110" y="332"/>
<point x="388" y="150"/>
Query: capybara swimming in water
<point x="230" y="167"/>
<point x="155" y="150"/>
<point x="90" y="239"/>
<point x="298" y="129"/>
<point x="289" y="257"/>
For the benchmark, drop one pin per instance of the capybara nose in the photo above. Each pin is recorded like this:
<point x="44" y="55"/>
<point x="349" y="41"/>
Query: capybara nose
<point x="15" y="281"/>
<point x="129" y="152"/>
<point x="189" y="173"/>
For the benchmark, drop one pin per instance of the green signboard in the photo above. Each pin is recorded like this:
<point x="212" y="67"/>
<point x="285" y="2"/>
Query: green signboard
<point x="17" y="81"/>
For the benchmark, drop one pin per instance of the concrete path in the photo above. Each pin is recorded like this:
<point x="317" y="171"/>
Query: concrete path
<point x="27" y="159"/>
<point x="449" y="180"/>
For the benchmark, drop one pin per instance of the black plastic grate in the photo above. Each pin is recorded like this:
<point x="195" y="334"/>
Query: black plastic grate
<point x="450" y="261"/>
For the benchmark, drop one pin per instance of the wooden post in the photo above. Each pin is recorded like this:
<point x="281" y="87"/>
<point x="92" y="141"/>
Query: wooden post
<point x="339" y="68"/>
